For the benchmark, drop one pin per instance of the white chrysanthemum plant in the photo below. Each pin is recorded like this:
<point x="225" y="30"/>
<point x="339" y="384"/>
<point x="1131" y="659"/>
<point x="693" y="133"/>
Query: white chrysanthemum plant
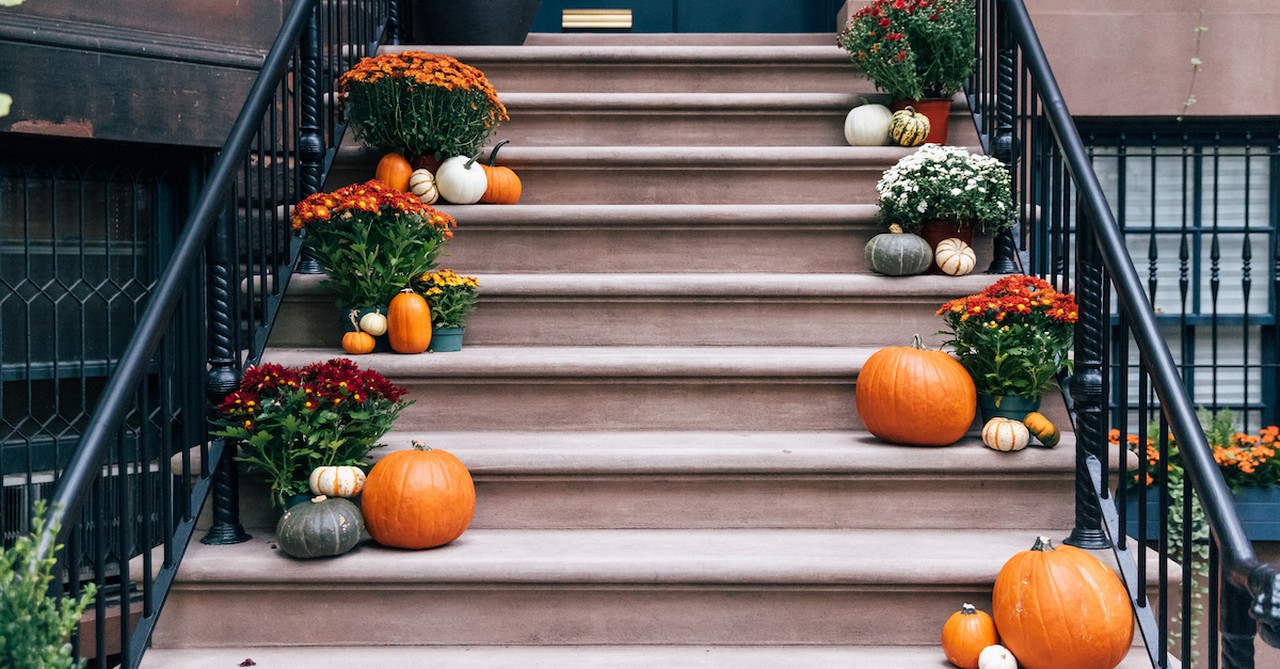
<point x="947" y="183"/>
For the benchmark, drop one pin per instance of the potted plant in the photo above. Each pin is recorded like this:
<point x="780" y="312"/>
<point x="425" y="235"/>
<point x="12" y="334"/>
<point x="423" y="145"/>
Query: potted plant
<point x="288" y="421"/>
<point x="35" y="625"/>
<point x="452" y="298"/>
<point x="428" y="106"/>
<point x="945" y="191"/>
<point x="1013" y="338"/>
<point x="373" y="241"/>
<point x="920" y="52"/>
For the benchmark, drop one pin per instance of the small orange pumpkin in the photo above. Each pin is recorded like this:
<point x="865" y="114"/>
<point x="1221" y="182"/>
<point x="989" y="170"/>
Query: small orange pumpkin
<point x="409" y="322"/>
<point x="357" y="341"/>
<point x="965" y="634"/>
<point x="1061" y="607"/>
<point x="504" y="186"/>
<point x="418" y="498"/>
<point x="911" y="395"/>
<point x="394" y="171"/>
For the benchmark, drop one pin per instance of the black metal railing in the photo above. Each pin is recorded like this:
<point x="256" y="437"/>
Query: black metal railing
<point x="177" y="320"/>
<point x="1070" y="236"/>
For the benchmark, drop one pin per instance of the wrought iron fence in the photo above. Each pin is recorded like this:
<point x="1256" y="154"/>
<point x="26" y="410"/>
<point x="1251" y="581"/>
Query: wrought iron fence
<point x="132" y="298"/>
<point x="1125" y="375"/>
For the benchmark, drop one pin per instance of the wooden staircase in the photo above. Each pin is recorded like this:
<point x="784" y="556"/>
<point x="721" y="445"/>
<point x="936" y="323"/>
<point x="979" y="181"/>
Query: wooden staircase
<point x="655" y="398"/>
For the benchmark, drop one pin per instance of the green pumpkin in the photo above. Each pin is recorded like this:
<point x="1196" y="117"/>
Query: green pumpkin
<point x="323" y="527"/>
<point x="898" y="253"/>
<point x="907" y="127"/>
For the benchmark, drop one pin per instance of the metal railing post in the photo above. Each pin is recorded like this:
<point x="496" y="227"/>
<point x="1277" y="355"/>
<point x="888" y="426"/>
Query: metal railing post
<point x="1087" y="390"/>
<point x="311" y="148"/>
<point x="1004" y="142"/>
<point x="222" y="378"/>
<point x="1236" y="628"/>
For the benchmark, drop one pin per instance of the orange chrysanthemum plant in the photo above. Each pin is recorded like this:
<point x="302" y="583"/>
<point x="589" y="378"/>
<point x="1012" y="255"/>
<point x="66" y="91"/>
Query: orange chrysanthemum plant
<point x="372" y="240"/>
<point x="1014" y="336"/>
<point x="1245" y="460"/>
<point x="421" y="104"/>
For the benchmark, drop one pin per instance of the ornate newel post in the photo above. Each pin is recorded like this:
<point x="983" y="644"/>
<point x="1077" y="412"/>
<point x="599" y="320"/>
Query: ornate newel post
<point x="311" y="147"/>
<point x="1087" y="388"/>
<point x="393" y="22"/>
<point x="1004" y="142"/>
<point x="222" y="378"/>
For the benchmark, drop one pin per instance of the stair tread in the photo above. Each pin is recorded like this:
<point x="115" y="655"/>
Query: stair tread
<point x="669" y="213"/>
<point x="765" y="101"/>
<point x="783" y="558"/>
<point x="655" y="453"/>
<point x="819" y="158"/>
<point x="569" y="657"/>
<point x="606" y="361"/>
<point x="679" y="54"/>
<point x="704" y="284"/>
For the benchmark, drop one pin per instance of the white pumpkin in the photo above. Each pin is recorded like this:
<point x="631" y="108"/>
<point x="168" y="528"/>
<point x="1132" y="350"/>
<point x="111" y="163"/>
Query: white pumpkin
<point x="953" y="256"/>
<point x="867" y="125"/>
<point x="374" y="323"/>
<point x="461" y="180"/>
<point x="1006" y="435"/>
<point x="423" y="186"/>
<point x="996" y="657"/>
<point x="334" y="481"/>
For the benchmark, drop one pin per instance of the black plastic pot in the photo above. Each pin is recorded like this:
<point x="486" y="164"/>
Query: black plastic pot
<point x="472" y="21"/>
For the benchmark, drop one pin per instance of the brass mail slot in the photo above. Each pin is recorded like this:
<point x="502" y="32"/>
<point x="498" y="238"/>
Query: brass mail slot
<point x="595" y="19"/>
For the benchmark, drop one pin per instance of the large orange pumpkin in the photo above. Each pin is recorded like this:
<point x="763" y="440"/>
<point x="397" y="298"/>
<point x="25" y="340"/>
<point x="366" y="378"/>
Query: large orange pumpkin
<point x="1059" y="607"/>
<point x="394" y="171"/>
<point x="911" y="395"/>
<point x="504" y="186"/>
<point x="965" y="634"/>
<point x="418" y="498"/>
<point x="408" y="322"/>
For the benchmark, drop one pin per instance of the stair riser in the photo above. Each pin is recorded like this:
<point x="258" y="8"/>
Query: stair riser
<point x="800" y="403"/>
<point x="555" y="614"/>
<point x="660" y="249"/>
<point x="654" y="501"/>
<point x="651" y="502"/>
<point x="589" y="77"/>
<point x="621" y="183"/>
<point x="704" y="128"/>
<point x="518" y="320"/>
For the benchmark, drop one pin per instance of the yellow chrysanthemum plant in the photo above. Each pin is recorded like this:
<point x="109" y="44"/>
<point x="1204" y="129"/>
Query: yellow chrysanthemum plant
<point x="420" y="104"/>
<point x="451" y="297"/>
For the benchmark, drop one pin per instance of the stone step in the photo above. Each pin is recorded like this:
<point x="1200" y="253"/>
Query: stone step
<point x="739" y="480"/>
<point x="693" y="119"/>
<point x="569" y="657"/>
<point x="656" y="68"/>
<point x="776" y="309"/>
<point x="767" y="40"/>
<point x="586" y="587"/>
<point x="744" y="175"/>
<point x="792" y="238"/>
<point x="662" y="238"/>
<point x="556" y="388"/>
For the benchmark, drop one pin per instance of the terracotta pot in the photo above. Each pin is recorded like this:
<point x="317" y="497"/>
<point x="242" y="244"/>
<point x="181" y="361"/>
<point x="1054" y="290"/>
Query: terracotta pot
<point x="936" y="231"/>
<point x="938" y="111"/>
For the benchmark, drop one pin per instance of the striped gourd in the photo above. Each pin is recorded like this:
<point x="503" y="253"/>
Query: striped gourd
<point x="1003" y="434"/>
<point x="954" y="257"/>
<point x="897" y="253"/>
<point x="908" y="128"/>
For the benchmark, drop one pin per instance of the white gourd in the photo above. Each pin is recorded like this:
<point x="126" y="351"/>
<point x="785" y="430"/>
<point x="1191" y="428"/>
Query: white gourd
<point x="867" y="125"/>
<point x="996" y="657"/>
<point x="461" y="180"/>
<point x="954" y="257"/>
<point x="1006" y="435"/>
<point x="423" y="186"/>
<point x="336" y="481"/>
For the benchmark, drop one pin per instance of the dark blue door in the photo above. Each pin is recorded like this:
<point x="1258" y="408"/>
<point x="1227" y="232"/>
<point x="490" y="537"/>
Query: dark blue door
<point x="703" y="16"/>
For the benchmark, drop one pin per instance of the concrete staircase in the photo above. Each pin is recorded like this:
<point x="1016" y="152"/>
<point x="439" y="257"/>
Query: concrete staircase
<point x="655" y="398"/>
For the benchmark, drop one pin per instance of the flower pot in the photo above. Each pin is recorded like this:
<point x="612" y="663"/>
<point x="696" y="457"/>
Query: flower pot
<point x="937" y="110"/>
<point x="473" y="21"/>
<point x="446" y="340"/>
<point x="1013" y="407"/>
<point x="936" y="231"/>
<point x="1258" y="509"/>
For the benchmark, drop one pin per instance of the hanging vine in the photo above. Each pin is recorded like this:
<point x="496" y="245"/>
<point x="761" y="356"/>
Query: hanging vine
<point x="1196" y="62"/>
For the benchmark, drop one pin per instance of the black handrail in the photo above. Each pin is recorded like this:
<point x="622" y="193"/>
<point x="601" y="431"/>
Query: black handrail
<point x="1023" y="118"/>
<point x="263" y="168"/>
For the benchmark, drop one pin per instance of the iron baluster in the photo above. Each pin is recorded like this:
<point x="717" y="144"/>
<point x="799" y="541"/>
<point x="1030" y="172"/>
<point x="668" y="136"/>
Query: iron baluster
<point x="311" y="149"/>
<point x="1004" y="143"/>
